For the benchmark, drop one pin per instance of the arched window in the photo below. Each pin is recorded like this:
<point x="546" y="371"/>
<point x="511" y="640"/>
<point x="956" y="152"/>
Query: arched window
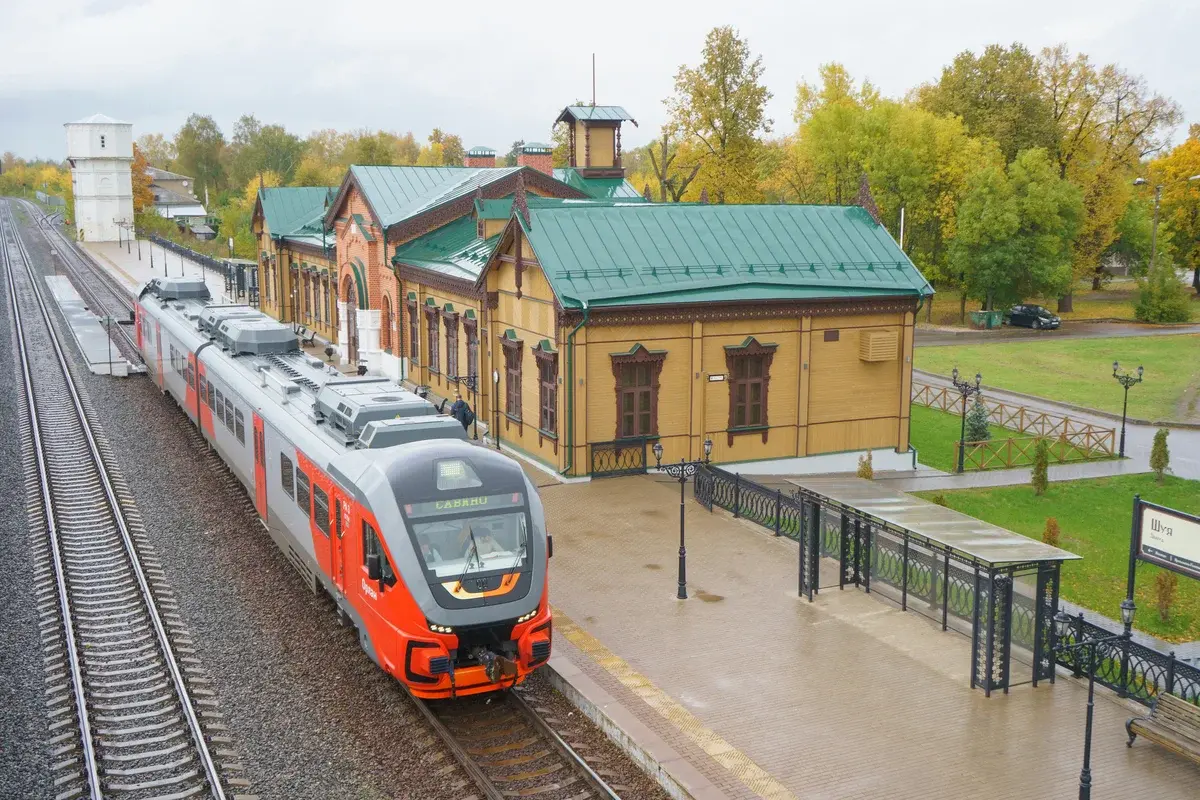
<point x="385" y="324"/>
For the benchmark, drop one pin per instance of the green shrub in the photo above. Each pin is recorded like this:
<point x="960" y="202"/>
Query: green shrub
<point x="939" y="499"/>
<point x="977" y="422"/>
<point x="1050" y="534"/>
<point x="1160" y="456"/>
<point x="1041" y="465"/>
<point x="865" y="468"/>
<point x="1164" y="593"/>
<point x="1162" y="297"/>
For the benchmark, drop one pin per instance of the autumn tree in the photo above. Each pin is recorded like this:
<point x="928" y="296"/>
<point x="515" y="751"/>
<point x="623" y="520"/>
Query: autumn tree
<point x="721" y="105"/>
<point x="158" y="150"/>
<point x="1106" y="121"/>
<point x="1015" y="229"/>
<point x="199" y="151"/>
<point x="673" y="163"/>
<point x="453" y="154"/>
<point x="377" y="148"/>
<point x="510" y="160"/>
<point x="1179" y="211"/>
<point x="999" y="95"/>
<point x="256" y="148"/>
<point x="143" y="195"/>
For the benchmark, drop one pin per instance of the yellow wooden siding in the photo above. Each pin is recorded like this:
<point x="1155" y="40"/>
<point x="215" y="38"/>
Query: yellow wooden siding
<point x="837" y="437"/>
<point x="843" y="387"/>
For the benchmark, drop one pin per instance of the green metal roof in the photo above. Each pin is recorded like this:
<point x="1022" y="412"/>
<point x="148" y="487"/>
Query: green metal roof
<point x="494" y="209"/>
<point x="627" y="253"/>
<point x="604" y="113"/>
<point x="599" y="188"/>
<point x="398" y="193"/>
<point x="286" y="209"/>
<point x="537" y="147"/>
<point x="453" y="249"/>
<point x="481" y="151"/>
<point x="363" y="227"/>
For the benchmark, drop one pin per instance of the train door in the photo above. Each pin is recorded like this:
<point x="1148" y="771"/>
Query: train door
<point x="137" y="325"/>
<point x="190" y="405"/>
<point x="341" y="524"/>
<point x="158" y="354"/>
<point x="260" y="468"/>
<point x="205" y="420"/>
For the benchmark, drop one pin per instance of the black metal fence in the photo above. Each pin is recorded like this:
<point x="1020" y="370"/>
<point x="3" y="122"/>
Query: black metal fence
<point x="208" y="262"/>
<point x="241" y="280"/>
<point x="1002" y="608"/>
<point x="621" y="457"/>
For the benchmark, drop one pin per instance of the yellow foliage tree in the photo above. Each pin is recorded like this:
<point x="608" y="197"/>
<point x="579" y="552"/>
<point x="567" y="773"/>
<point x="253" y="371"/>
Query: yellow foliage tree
<point x="143" y="196"/>
<point x="264" y="180"/>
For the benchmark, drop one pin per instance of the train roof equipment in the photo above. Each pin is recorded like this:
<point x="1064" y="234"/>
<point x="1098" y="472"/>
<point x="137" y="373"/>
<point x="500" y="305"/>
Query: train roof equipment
<point x="183" y="287"/>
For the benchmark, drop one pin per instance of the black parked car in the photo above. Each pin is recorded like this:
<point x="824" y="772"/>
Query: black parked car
<point x="1032" y="317"/>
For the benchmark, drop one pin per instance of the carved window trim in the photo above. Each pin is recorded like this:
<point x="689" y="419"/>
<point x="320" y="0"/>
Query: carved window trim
<point x="547" y="366"/>
<point x="471" y="329"/>
<point x="451" y="318"/>
<point x="432" y="334"/>
<point x="512" y="380"/>
<point x="638" y="355"/>
<point x="414" y="328"/>
<point x="751" y="348"/>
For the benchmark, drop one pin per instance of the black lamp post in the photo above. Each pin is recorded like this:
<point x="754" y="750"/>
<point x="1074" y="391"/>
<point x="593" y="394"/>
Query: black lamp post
<point x="1125" y="379"/>
<point x="496" y="407"/>
<point x="681" y="472"/>
<point x="1062" y="625"/>
<point x="966" y="389"/>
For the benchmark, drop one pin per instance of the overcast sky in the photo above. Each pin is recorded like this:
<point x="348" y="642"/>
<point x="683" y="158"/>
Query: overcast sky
<point x="499" y="71"/>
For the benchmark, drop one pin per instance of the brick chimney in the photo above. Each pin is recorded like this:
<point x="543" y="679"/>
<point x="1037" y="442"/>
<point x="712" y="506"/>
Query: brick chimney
<point x="481" y="157"/>
<point x="537" y="155"/>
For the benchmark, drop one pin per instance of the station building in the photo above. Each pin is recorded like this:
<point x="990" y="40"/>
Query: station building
<point x="584" y="324"/>
<point x="297" y="257"/>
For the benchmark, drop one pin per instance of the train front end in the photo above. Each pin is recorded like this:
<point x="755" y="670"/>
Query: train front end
<point x="467" y="533"/>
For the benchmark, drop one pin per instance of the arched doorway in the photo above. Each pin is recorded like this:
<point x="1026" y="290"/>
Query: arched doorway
<point x="350" y="297"/>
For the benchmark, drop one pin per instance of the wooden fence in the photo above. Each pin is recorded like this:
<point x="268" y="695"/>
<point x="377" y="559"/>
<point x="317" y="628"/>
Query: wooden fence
<point x="1018" y="451"/>
<point x="1080" y="435"/>
<point x="1068" y="439"/>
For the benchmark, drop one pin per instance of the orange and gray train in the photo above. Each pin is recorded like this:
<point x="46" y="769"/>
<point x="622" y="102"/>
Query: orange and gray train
<point x="434" y="548"/>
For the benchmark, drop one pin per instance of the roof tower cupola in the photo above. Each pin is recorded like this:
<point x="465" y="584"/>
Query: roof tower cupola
<point x="594" y="139"/>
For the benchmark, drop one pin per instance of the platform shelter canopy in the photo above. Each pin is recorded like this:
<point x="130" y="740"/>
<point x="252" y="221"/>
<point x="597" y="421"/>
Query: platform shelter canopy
<point x="989" y="545"/>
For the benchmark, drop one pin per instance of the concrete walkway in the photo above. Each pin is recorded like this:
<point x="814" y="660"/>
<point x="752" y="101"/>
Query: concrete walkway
<point x="1184" y="443"/>
<point x="767" y="695"/>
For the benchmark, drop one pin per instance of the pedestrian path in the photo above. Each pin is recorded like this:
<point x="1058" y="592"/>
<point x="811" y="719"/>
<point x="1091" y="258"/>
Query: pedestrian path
<point x="767" y="695"/>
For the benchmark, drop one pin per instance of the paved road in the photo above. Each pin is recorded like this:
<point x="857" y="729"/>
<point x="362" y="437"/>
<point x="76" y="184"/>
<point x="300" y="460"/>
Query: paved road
<point x="929" y="337"/>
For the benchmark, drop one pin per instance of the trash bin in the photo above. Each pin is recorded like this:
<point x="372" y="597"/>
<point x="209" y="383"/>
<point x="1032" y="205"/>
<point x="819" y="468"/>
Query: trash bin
<point x="986" y="319"/>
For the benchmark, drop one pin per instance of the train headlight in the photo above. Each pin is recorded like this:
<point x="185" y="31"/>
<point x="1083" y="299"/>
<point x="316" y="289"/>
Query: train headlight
<point x="439" y="628"/>
<point x="455" y="473"/>
<point x="527" y="617"/>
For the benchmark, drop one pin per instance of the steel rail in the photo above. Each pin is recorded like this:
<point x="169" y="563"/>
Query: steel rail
<point x="564" y="749"/>
<point x="84" y="267"/>
<point x="81" y="710"/>
<point x="209" y="766"/>
<point x="570" y="757"/>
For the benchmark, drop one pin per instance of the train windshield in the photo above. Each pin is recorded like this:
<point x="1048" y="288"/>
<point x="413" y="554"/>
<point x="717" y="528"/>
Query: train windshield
<point x="470" y="535"/>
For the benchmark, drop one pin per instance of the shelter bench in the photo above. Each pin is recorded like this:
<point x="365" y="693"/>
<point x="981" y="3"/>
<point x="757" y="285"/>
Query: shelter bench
<point x="1173" y="723"/>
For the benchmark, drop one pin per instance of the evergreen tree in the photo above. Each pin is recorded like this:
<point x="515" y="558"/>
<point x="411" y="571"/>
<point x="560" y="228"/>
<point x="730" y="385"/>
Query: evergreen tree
<point x="1160" y="456"/>
<point x="977" y="422"/>
<point x="1041" y="465"/>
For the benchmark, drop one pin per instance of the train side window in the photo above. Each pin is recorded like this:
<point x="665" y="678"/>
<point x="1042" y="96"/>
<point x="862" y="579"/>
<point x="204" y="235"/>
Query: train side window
<point x="371" y="546"/>
<point x="228" y="413"/>
<point x="191" y="376"/>
<point x="209" y="399"/>
<point x="302" y="493"/>
<point x="203" y="392"/>
<point x="286" y="476"/>
<point x="321" y="509"/>
<point x="220" y="407"/>
<point x="337" y="517"/>
<point x="239" y="426"/>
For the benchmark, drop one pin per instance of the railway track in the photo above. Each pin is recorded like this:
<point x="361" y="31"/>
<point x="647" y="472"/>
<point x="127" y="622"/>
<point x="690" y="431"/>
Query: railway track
<point x="507" y="750"/>
<point x="122" y="719"/>
<point x="104" y="295"/>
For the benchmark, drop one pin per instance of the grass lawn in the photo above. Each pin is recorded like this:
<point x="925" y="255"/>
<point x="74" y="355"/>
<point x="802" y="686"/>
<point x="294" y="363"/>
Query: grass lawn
<point x="1115" y="301"/>
<point x="1094" y="516"/>
<point x="1079" y="371"/>
<point x="934" y="433"/>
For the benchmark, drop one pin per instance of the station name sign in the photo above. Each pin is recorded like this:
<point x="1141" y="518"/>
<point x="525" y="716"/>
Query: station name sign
<point x="1170" y="539"/>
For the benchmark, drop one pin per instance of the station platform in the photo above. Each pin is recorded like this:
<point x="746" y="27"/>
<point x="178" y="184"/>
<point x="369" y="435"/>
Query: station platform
<point x="748" y="690"/>
<point x="102" y="356"/>
<point x="122" y="262"/>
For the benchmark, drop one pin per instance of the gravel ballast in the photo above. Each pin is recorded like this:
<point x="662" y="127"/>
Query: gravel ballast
<point x="309" y="714"/>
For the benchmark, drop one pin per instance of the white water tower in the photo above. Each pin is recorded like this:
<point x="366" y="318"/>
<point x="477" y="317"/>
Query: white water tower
<point x="100" y="150"/>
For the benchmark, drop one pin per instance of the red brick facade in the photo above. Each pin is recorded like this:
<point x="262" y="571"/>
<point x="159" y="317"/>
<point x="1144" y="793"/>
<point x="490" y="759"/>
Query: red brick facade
<point x="542" y="162"/>
<point x="481" y="161"/>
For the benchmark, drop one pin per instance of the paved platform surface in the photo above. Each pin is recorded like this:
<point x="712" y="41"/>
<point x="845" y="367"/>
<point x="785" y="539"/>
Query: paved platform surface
<point x="766" y="695"/>
<point x="102" y="356"/>
<point x="125" y="265"/>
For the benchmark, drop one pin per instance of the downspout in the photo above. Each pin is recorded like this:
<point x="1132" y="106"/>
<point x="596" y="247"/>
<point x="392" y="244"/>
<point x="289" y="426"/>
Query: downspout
<point x="571" y="389"/>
